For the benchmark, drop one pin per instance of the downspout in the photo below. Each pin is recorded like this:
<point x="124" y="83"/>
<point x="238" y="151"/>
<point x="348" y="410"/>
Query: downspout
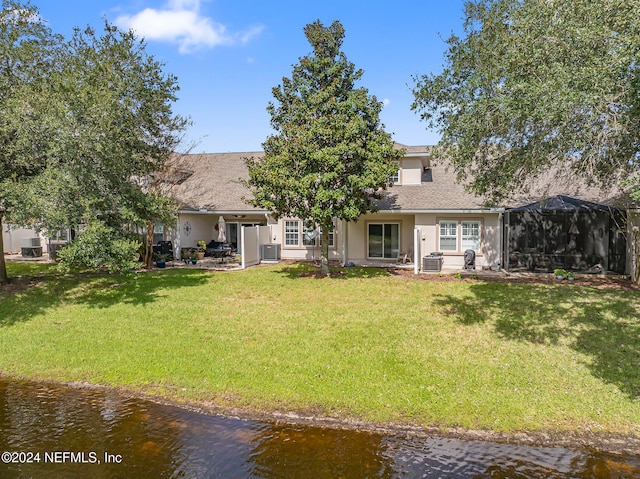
<point x="272" y="238"/>
<point x="417" y="253"/>
<point x="500" y="246"/>
<point x="345" y="238"/>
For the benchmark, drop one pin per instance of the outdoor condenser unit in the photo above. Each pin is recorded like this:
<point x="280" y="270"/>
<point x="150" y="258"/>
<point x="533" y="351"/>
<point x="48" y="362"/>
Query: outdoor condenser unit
<point x="31" y="242"/>
<point x="270" y="252"/>
<point x="432" y="263"/>
<point x="31" y="248"/>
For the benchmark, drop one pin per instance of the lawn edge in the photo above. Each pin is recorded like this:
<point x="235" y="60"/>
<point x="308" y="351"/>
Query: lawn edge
<point x="604" y="442"/>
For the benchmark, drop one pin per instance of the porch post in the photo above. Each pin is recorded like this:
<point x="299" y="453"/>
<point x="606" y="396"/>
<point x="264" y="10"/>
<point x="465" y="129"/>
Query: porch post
<point x="177" y="253"/>
<point x="417" y="254"/>
<point x="345" y="239"/>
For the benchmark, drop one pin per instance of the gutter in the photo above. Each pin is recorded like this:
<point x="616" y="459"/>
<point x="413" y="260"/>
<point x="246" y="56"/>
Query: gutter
<point x="266" y="213"/>
<point x="445" y="211"/>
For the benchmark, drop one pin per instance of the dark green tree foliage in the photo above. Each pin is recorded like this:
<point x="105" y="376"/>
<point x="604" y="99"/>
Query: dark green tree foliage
<point x="329" y="155"/>
<point x="25" y="59"/>
<point x="535" y="85"/>
<point x="84" y="122"/>
<point x="99" y="247"/>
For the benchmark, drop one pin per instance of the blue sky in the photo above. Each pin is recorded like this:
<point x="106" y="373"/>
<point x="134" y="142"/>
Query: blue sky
<point x="229" y="54"/>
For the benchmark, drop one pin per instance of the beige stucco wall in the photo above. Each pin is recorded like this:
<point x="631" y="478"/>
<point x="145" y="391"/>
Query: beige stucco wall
<point x="12" y="238"/>
<point x="428" y="225"/>
<point x="358" y="245"/>
<point x="489" y="255"/>
<point x="411" y="171"/>
<point x="302" y="252"/>
<point x="202" y="227"/>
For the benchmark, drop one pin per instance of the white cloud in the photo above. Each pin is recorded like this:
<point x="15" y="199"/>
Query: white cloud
<point x="386" y="101"/>
<point x="181" y="22"/>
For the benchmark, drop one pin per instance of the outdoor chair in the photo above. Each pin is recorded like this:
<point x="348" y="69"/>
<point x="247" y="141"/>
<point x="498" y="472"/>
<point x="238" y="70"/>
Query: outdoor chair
<point x="405" y="257"/>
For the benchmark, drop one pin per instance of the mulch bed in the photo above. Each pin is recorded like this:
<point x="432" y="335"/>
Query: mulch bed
<point x="594" y="281"/>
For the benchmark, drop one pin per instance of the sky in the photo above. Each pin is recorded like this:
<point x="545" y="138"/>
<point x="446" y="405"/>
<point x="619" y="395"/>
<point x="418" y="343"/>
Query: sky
<point x="228" y="55"/>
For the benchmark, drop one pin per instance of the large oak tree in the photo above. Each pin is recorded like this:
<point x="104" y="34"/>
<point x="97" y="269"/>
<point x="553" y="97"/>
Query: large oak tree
<point x="539" y="85"/>
<point x="83" y="121"/>
<point x="329" y="155"/>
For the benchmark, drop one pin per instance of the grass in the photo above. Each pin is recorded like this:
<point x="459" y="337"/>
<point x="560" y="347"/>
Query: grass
<point x="473" y="354"/>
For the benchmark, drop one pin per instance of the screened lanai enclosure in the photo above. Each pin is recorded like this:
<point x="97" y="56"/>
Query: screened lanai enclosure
<point x="567" y="233"/>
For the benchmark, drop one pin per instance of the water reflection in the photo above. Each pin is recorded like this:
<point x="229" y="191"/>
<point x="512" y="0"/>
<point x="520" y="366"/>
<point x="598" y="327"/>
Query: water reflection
<point x="72" y="430"/>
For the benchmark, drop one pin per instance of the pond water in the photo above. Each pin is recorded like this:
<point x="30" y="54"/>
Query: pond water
<point x="54" y="431"/>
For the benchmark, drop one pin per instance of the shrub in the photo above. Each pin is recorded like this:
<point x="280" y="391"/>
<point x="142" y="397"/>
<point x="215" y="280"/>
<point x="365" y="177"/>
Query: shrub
<point x="99" y="247"/>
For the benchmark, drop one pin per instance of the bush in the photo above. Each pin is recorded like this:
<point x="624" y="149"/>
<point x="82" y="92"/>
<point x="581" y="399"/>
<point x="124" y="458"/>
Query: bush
<point x="99" y="247"/>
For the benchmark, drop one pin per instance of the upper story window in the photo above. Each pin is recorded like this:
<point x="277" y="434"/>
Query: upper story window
<point x="395" y="178"/>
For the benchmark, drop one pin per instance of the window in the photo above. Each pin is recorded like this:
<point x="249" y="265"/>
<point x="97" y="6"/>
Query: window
<point x="309" y="235"/>
<point x="384" y="240"/>
<point x="448" y="235"/>
<point x="468" y="231"/>
<point x="292" y="233"/>
<point x="60" y="235"/>
<point x="297" y="233"/>
<point x="158" y="232"/>
<point x="331" y="235"/>
<point x="395" y="178"/>
<point x="470" y="235"/>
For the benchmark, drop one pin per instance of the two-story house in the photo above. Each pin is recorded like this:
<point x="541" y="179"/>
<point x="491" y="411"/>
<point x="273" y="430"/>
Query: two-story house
<point x="423" y="211"/>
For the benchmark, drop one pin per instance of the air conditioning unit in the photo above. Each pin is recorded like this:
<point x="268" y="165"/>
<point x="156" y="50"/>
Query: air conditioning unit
<point x="432" y="263"/>
<point x="270" y="252"/>
<point x="31" y="242"/>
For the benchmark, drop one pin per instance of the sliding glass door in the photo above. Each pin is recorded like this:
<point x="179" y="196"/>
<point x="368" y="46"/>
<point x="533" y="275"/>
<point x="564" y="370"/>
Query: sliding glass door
<point x="383" y="240"/>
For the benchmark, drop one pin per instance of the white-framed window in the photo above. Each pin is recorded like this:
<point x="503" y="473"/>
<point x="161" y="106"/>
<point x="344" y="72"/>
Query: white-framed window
<point x="158" y="232"/>
<point x="309" y="235"/>
<point x="448" y="236"/>
<point x="60" y="235"/>
<point x="459" y="235"/>
<point x="296" y="233"/>
<point x="331" y="237"/>
<point x="292" y="233"/>
<point x="395" y="178"/>
<point x="470" y="237"/>
<point x="383" y="240"/>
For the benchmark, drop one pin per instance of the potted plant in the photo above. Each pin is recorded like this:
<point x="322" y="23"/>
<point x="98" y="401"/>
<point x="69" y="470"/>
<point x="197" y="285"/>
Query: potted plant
<point x="161" y="260"/>
<point x="560" y="273"/>
<point x="202" y="246"/>
<point x="195" y="256"/>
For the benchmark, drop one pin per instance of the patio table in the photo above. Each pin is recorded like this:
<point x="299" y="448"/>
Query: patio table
<point x="222" y="253"/>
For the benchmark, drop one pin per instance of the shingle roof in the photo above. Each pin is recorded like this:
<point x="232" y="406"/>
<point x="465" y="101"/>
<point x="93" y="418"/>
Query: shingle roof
<point x="214" y="182"/>
<point x="211" y="181"/>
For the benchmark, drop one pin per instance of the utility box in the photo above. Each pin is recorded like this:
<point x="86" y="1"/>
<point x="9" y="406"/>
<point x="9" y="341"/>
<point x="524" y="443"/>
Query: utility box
<point x="31" y="248"/>
<point x="270" y="252"/>
<point x="432" y="263"/>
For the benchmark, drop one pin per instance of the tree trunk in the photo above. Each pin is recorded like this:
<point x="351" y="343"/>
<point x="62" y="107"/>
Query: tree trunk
<point x="635" y="252"/>
<point x="3" y="265"/>
<point x="148" y="246"/>
<point x="324" y="252"/>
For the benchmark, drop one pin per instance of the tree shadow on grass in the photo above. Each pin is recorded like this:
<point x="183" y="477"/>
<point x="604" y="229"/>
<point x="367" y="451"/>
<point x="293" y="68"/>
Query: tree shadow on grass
<point x="47" y="291"/>
<point x="601" y="324"/>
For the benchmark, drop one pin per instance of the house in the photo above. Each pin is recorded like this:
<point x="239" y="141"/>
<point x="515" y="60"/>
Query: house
<point x="425" y="211"/>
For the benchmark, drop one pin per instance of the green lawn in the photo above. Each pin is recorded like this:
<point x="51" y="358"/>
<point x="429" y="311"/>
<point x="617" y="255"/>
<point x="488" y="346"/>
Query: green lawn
<point x="474" y="354"/>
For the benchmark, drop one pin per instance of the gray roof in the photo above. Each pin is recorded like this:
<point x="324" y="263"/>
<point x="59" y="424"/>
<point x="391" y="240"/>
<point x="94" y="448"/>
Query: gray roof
<point x="438" y="191"/>
<point x="211" y="181"/>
